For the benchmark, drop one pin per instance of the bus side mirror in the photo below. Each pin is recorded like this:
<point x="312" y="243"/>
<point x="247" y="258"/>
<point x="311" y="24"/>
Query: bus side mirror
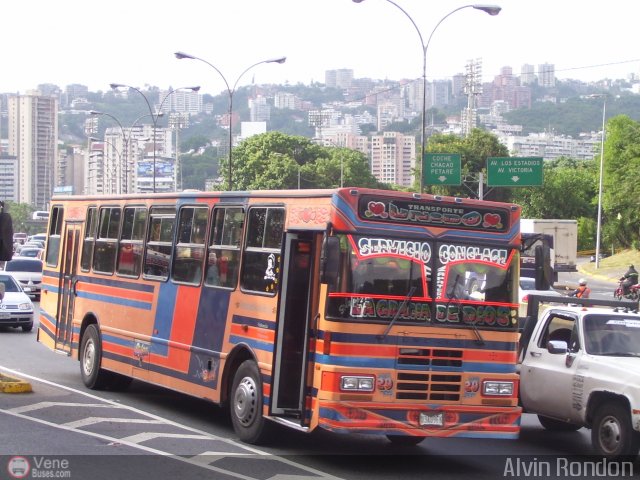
<point x="2" y="291"/>
<point x="330" y="259"/>
<point x="6" y="237"/>
<point x="544" y="275"/>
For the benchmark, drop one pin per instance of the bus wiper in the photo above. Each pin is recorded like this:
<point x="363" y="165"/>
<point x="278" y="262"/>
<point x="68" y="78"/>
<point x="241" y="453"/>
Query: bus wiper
<point x="451" y="295"/>
<point x="395" y="317"/>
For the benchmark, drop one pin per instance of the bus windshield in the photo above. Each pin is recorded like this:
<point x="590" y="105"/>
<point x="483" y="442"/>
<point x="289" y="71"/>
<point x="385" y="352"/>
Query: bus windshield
<point x="429" y="282"/>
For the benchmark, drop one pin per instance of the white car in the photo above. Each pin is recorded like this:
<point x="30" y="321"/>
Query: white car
<point x="28" y="272"/>
<point x="528" y="287"/>
<point x="16" y="309"/>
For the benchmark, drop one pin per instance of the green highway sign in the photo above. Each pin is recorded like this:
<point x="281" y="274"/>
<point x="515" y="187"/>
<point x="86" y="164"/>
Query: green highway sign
<point x="441" y="169"/>
<point x="514" y="171"/>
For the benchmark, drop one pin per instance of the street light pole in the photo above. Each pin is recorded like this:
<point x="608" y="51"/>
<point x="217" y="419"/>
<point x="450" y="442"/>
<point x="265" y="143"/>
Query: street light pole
<point x="230" y="92"/>
<point x="154" y="116"/>
<point x="600" y="181"/>
<point x="490" y="9"/>
<point x="126" y="139"/>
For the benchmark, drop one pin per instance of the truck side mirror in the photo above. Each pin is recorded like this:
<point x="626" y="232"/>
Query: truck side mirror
<point x="544" y="275"/>
<point x="557" y="346"/>
<point x="6" y="237"/>
<point x="330" y="259"/>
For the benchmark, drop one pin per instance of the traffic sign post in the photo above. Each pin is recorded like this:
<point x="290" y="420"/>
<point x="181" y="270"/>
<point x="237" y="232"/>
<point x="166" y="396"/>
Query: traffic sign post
<point x="514" y="171"/>
<point x="441" y="169"/>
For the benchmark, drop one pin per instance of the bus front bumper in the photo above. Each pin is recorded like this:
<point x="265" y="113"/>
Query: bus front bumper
<point x="420" y="420"/>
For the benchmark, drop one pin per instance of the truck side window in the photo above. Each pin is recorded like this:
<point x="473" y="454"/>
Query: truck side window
<point x="559" y="328"/>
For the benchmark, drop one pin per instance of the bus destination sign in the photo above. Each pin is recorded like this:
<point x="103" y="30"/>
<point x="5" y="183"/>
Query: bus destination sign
<point x="433" y="214"/>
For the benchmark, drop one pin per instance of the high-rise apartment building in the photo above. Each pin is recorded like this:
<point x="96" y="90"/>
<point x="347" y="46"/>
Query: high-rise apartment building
<point x="8" y="183"/>
<point x="33" y="139"/>
<point x="393" y="158"/>
<point x="547" y="75"/>
<point x="181" y="101"/>
<point x="527" y="74"/>
<point x="340" y="78"/>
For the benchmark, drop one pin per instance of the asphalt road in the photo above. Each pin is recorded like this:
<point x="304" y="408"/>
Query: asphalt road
<point x="149" y="432"/>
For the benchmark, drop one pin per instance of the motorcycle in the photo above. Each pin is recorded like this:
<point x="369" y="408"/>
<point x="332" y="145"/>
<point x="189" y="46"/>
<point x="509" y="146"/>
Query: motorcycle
<point x="632" y="294"/>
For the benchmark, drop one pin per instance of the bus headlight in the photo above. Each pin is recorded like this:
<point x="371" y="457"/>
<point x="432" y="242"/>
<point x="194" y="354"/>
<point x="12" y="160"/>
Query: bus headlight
<point x="497" y="388"/>
<point x="356" y="383"/>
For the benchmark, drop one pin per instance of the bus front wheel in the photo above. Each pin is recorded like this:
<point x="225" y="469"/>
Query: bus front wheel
<point x="93" y="376"/>
<point x="246" y="404"/>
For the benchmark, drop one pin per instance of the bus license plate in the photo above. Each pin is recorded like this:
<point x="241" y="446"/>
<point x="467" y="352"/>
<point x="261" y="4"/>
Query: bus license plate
<point x="431" y="419"/>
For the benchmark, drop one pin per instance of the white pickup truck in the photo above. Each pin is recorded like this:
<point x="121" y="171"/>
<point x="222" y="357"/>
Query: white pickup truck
<point x="580" y="367"/>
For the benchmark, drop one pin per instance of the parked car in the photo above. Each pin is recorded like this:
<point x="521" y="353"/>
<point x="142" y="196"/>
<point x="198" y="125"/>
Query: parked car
<point x="28" y="272"/>
<point x="32" y="252"/>
<point x="16" y="308"/>
<point x="528" y="287"/>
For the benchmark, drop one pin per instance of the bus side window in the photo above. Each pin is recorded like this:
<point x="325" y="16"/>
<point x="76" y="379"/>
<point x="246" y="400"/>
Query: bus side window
<point x="223" y="259"/>
<point x="261" y="260"/>
<point x="104" y="258"/>
<point x="189" y="253"/>
<point x="157" y="256"/>
<point x="89" y="238"/>
<point x="131" y="241"/>
<point x="54" y="235"/>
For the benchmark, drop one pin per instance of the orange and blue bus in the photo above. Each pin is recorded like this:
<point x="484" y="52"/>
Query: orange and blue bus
<point x="350" y="310"/>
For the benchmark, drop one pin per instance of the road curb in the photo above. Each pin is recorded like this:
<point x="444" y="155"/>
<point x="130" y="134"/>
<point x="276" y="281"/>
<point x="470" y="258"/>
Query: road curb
<point x="13" y="385"/>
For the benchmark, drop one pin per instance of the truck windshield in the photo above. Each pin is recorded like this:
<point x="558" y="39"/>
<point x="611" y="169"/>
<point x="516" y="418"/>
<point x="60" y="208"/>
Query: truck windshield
<point x="609" y="335"/>
<point x="446" y="284"/>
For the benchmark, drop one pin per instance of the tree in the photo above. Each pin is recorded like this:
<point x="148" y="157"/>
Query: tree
<point x="567" y="191"/>
<point x="21" y="216"/>
<point x="621" y="189"/>
<point x="274" y="160"/>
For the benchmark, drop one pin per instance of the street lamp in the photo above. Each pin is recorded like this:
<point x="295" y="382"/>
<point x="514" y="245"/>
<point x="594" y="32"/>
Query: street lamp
<point x="126" y="138"/>
<point x="230" y="91"/>
<point x="154" y="116"/>
<point x="599" y="224"/>
<point x="490" y="9"/>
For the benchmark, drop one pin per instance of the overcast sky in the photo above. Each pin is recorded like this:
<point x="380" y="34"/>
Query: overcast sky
<point x="133" y="41"/>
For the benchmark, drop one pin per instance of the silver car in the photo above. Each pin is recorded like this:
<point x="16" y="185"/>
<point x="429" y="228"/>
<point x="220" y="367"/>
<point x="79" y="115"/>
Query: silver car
<point x="16" y="309"/>
<point x="27" y="271"/>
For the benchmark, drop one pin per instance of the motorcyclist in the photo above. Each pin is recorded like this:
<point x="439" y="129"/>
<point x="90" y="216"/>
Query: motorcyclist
<point x="582" y="291"/>
<point x="630" y="278"/>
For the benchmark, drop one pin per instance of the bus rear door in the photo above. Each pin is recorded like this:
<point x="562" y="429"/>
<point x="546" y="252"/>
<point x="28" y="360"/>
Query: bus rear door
<point x="68" y="280"/>
<point x="295" y="312"/>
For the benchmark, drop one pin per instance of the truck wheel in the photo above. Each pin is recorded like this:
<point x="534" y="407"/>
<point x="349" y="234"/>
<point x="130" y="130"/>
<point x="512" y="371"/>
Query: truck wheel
<point x="92" y="375"/>
<point x="554" y="425"/>
<point x="246" y="404"/>
<point x="612" y="434"/>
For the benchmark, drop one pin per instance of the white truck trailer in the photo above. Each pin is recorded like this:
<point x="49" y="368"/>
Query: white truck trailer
<point x="565" y="239"/>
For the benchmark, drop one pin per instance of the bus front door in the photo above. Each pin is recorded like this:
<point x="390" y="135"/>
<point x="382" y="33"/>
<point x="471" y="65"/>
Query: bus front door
<point x="292" y="338"/>
<point x="68" y="279"/>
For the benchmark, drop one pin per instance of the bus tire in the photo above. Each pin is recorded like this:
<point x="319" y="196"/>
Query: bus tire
<point x="246" y="404"/>
<point x="93" y="376"/>
<point x="405" y="440"/>
<point x="612" y="434"/>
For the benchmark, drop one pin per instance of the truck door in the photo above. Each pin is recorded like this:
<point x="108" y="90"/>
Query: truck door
<point x="68" y="279"/>
<point x="294" y="322"/>
<point x="547" y="380"/>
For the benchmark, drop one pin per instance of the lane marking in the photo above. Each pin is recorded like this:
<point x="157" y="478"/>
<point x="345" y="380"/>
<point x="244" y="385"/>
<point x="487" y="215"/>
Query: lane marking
<point x="85" y="422"/>
<point x="254" y="451"/>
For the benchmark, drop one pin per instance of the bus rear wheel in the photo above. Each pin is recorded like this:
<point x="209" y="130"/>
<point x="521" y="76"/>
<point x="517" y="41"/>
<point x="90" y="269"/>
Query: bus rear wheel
<point x="93" y="376"/>
<point x="246" y="404"/>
